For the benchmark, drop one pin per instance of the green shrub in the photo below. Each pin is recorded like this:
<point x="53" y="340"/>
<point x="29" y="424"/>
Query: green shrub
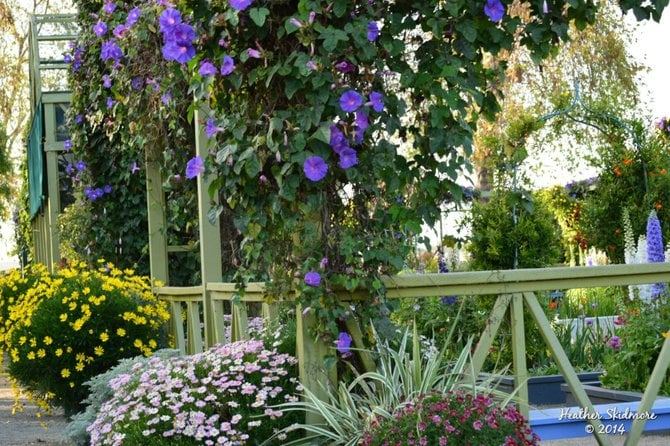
<point x="77" y="323"/>
<point x="496" y="239"/>
<point x="633" y="351"/>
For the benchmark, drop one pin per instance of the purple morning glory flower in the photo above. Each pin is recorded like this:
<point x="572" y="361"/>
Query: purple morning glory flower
<point x="119" y="31"/>
<point x="240" y="5"/>
<point x="373" y="31"/>
<point x="348" y="158"/>
<point x="344" y="343"/>
<point x="361" y="121"/>
<point x="181" y="32"/>
<point x="134" y="168"/>
<point x="253" y="53"/>
<point x="67" y="145"/>
<point x="69" y="169"/>
<point x="376" y="101"/>
<point x="80" y="165"/>
<point x="133" y="16"/>
<point x="345" y="66"/>
<point x="313" y="278"/>
<point x="495" y="10"/>
<point x="227" y="66"/>
<point x="315" y="168"/>
<point x="110" y="102"/>
<point x="78" y="119"/>
<point x="211" y="128"/>
<point x="110" y="50"/>
<point x="100" y="29"/>
<point x="178" y="51"/>
<point x="351" y="101"/>
<point x="194" y="167"/>
<point x="207" y="69"/>
<point x="137" y="83"/>
<point x="169" y="19"/>
<point x="338" y="141"/>
<point x="109" y="7"/>
<point x="106" y="81"/>
<point x="107" y="189"/>
<point x="67" y="58"/>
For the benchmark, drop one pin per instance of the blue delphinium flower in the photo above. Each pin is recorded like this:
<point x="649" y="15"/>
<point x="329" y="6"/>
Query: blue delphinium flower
<point x="655" y="249"/>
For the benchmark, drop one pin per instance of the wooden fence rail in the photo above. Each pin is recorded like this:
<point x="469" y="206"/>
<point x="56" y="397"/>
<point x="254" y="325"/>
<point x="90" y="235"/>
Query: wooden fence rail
<point x="515" y="289"/>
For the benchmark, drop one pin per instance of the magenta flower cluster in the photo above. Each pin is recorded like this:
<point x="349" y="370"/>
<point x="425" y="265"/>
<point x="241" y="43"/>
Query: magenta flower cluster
<point x="457" y="417"/>
<point x="226" y="395"/>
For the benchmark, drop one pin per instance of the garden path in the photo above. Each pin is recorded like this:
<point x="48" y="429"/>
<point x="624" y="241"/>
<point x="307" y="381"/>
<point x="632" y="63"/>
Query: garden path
<point x="24" y="428"/>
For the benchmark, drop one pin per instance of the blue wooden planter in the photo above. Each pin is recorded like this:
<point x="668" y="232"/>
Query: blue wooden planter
<point x="546" y="390"/>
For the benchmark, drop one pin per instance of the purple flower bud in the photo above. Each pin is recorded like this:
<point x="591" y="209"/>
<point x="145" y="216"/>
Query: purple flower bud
<point x="311" y="65"/>
<point x="295" y="22"/>
<point x="312" y="15"/>
<point x="373" y="31"/>
<point x="253" y="53"/>
<point x="345" y="66"/>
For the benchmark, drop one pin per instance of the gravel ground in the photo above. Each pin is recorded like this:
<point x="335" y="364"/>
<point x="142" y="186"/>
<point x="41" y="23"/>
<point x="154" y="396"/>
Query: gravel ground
<point x="24" y="428"/>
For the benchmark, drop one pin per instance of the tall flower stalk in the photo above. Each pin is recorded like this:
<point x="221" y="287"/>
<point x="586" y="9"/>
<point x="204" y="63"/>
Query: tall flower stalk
<point x="655" y="252"/>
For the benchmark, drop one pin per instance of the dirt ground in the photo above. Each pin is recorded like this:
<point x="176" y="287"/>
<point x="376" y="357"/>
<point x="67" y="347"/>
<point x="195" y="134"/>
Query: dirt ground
<point x="24" y="428"/>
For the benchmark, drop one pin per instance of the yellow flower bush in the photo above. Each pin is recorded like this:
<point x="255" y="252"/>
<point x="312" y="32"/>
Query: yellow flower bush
<point x="77" y="323"/>
<point x="13" y="284"/>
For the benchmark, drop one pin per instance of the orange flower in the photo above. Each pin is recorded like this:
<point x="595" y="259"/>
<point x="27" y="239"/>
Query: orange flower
<point x="659" y="206"/>
<point x="627" y="162"/>
<point x="663" y="171"/>
<point x="617" y="171"/>
<point x="552" y="305"/>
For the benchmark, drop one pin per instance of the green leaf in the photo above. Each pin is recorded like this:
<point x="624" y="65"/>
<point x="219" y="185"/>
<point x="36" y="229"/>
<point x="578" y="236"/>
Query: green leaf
<point x="322" y="134"/>
<point x="258" y="15"/>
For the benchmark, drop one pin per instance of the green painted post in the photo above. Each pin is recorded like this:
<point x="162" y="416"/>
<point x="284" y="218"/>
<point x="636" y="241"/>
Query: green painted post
<point x="158" y="252"/>
<point x="311" y="355"/>
<point x="210" y="234"/>
<point x="650" y="393"/>
<point x="519" y="353"/>
<point x="564" y="365"/>
<point x="488" y="336"/>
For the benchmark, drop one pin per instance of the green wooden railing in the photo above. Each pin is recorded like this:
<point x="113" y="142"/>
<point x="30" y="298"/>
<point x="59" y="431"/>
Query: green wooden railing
<point x="515" y="289"/>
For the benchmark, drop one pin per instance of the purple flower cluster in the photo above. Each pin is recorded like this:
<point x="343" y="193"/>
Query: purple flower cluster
<point x="351" y="101"/>
<point x="98" y="192"/>
<point x="177" y="36"/>
<point x="225" y="395"/>
<point x="615" y="342"/>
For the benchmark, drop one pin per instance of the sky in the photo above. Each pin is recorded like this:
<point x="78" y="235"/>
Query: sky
<point x="652" y="49"/>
